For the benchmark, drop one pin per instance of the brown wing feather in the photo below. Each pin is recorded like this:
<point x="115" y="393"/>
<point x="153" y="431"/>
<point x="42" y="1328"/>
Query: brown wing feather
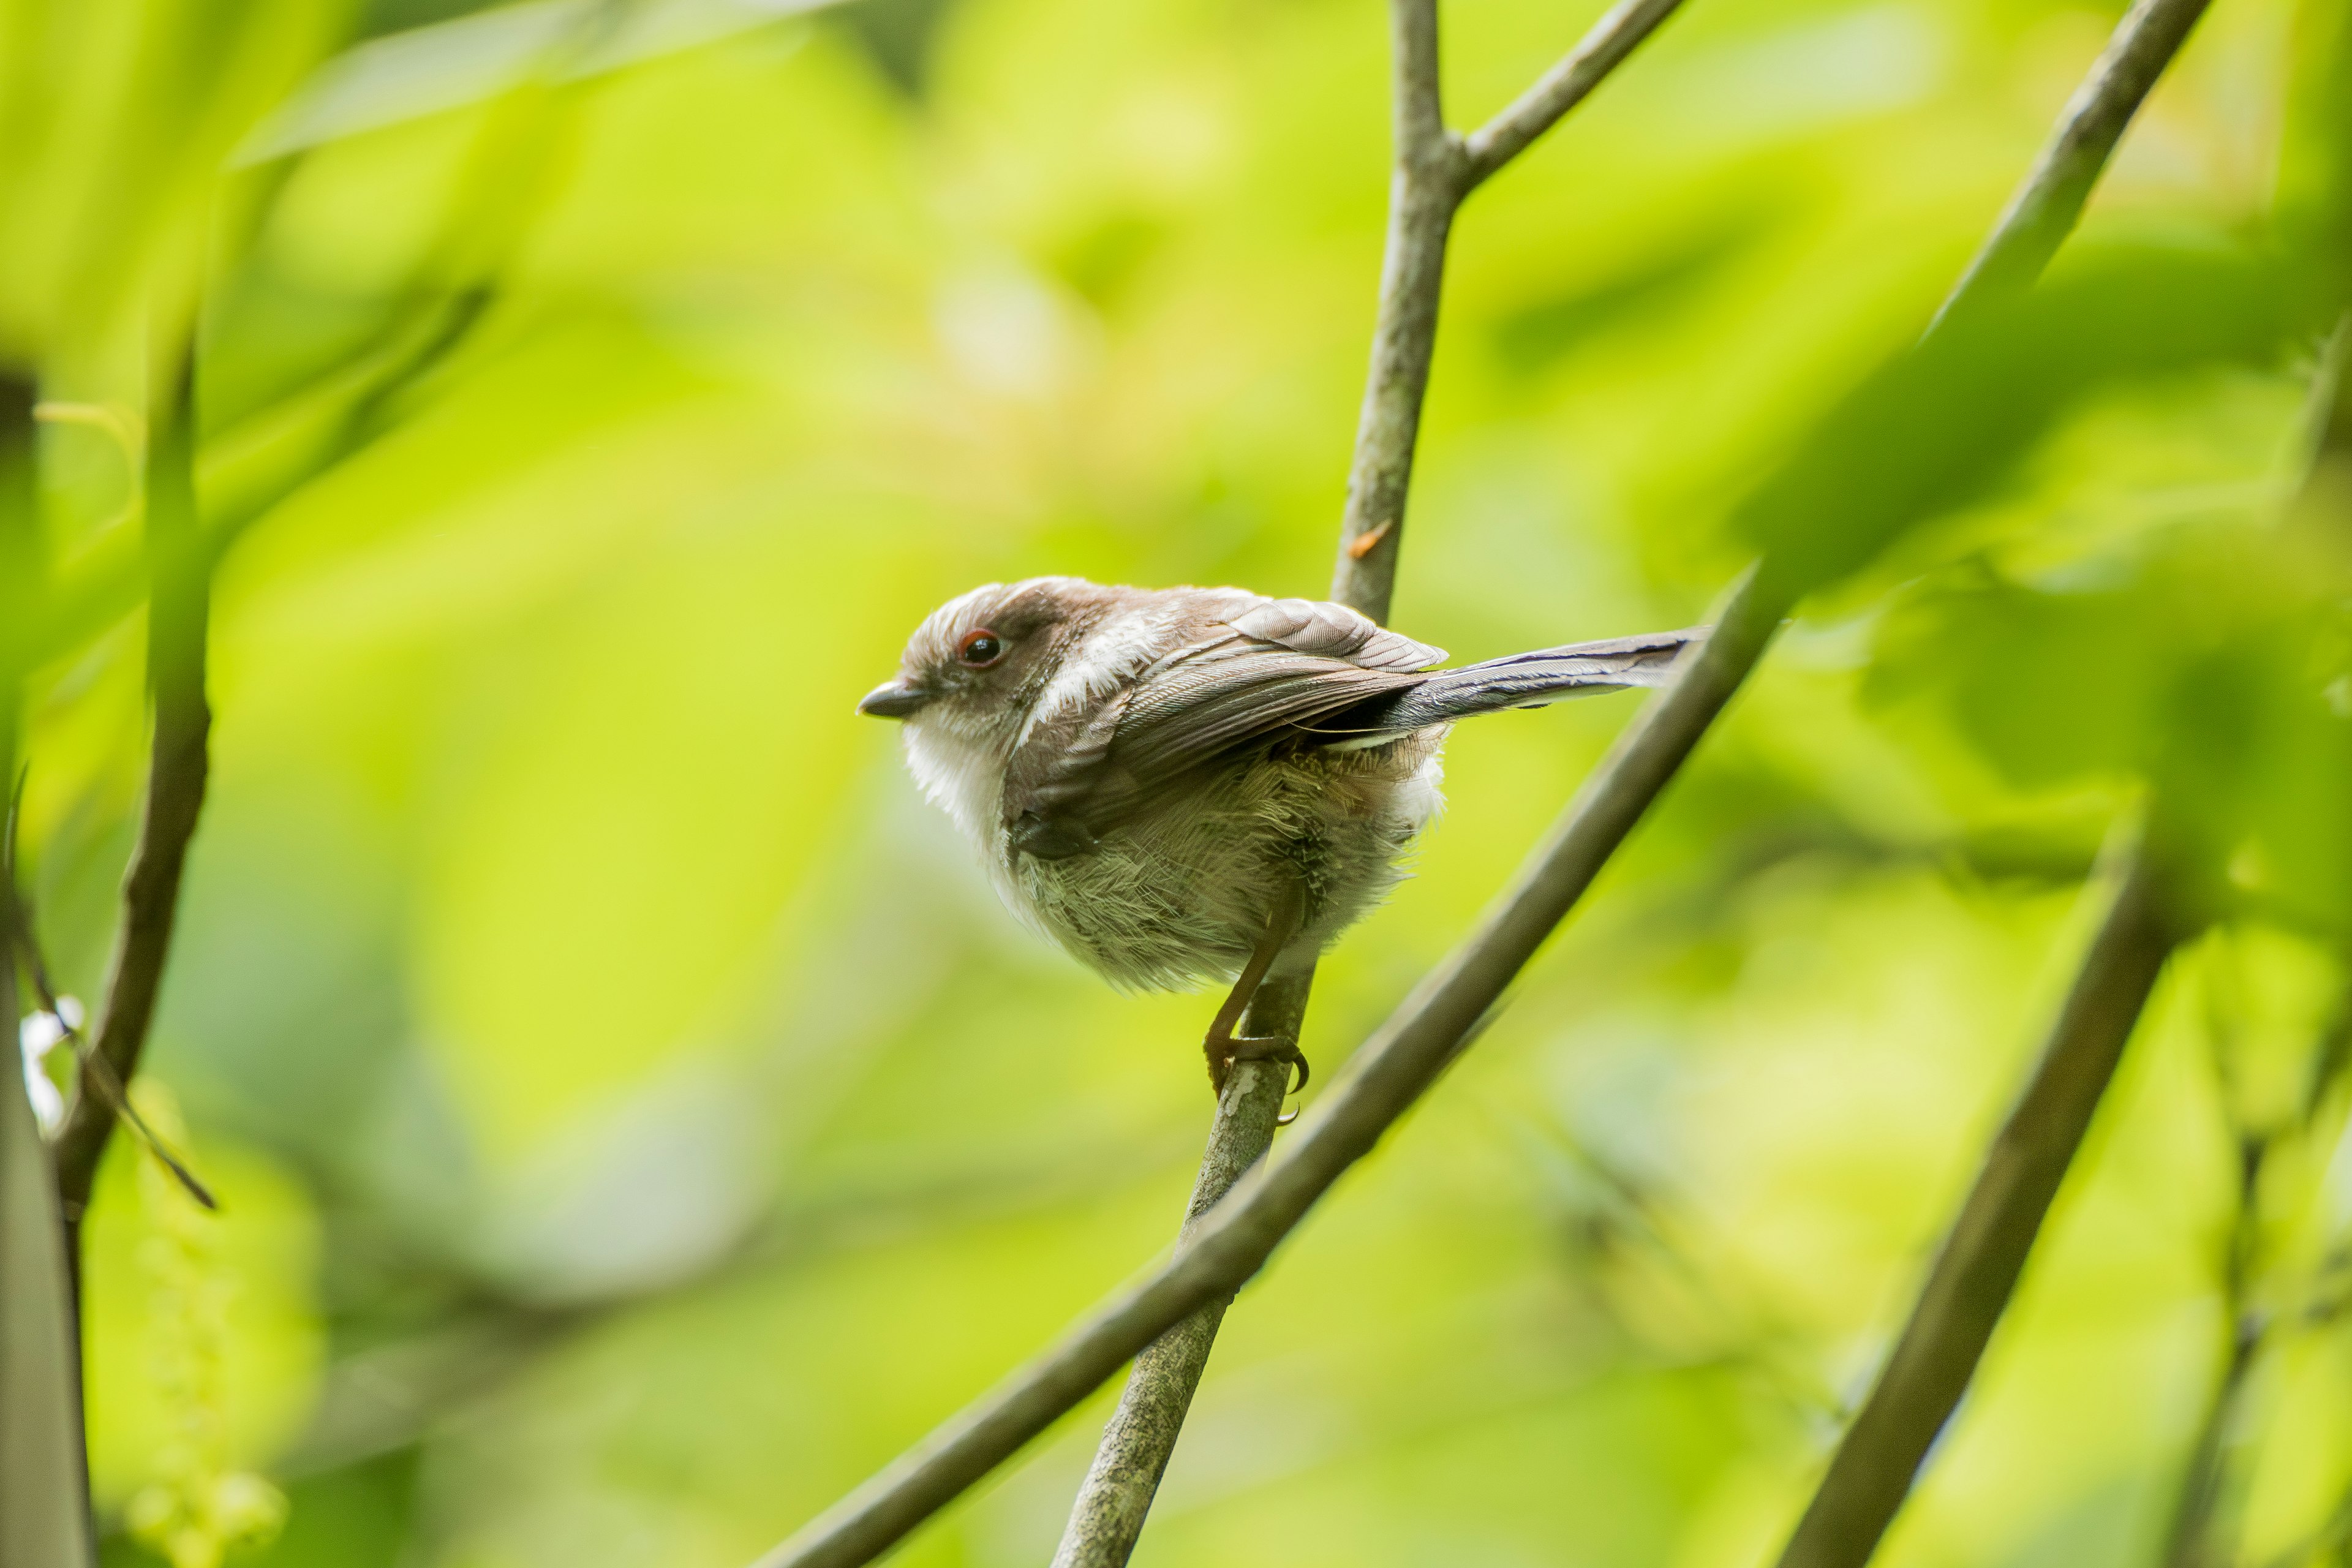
<point x="1206" y="706"/>
<point x="1333" y="631"/>
<point x="1271" y="665"/>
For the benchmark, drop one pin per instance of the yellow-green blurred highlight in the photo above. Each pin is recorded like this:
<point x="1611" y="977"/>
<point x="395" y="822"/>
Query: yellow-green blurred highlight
<point x="635" y="1119"/>
<point x="216" y="1305"/>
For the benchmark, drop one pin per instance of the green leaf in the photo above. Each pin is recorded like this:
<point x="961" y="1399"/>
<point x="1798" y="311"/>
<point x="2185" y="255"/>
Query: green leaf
<point x="1944" y="423"/>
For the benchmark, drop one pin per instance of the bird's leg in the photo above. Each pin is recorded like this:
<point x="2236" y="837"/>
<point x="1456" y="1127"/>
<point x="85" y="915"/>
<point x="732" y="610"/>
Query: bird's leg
<point x="1223" y="1047"/>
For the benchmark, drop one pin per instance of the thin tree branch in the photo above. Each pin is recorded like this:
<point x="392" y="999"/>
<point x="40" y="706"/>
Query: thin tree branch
<point x="1108" y="1517"/>
<point x="1435" y="169"/>
<point x="1563" y="86"/>
<point x="1441" y="1017"/>
<point x="2044" y="209"/>
<point x="1423" y="190"/>
<point x="1974" y="1275"/>
<point x="2190" y="1543"/>
<point x="179" y="593"/>
<point x="1880" y="1454"/>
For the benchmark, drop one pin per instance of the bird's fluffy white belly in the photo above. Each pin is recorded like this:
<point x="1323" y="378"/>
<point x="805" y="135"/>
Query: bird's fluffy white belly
<point x="1183" y="892"/>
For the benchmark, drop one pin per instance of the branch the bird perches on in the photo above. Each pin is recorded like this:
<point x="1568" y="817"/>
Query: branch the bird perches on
<point x="1223" y="1247"/>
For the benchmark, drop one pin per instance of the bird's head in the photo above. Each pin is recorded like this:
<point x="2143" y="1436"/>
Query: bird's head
<point x="975" y="667"/>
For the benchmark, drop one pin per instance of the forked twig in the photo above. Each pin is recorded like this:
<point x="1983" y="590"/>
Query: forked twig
<point x="1407" y="1053"/>
<point x="1435" y="170"/>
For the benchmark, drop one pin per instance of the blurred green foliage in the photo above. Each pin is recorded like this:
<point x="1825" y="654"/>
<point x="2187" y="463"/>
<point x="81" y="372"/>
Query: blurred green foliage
<point x="636" y="1118"/>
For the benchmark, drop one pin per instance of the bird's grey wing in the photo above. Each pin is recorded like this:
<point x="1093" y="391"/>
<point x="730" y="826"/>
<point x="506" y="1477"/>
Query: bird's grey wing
<point x="1260" y="667"/>
<point x="1326" y="631"/>
<point x="1207" y="705"/>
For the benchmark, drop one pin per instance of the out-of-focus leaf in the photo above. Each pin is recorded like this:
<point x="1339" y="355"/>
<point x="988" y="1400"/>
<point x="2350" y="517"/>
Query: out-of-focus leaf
<point x="1943" y="424"/>
<point x="204" y="1342"/>
<point x="2191" y="667"/>
<point x="449" y="64"/>
<point x="2315" y="153"/>
<point x="116" y="119"/>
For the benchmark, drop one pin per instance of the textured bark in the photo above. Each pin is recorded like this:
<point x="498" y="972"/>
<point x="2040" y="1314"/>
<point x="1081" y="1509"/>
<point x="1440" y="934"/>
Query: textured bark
<point x="1108" y="1517"/>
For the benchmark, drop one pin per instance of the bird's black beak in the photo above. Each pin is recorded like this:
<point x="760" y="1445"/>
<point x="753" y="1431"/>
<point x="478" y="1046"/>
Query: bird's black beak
<point x="895" y="699"/>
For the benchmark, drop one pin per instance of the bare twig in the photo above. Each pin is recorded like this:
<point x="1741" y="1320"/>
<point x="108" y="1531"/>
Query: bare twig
<point x="1974" y="1275"/>
<point x="1563" y="86"/>
<point x="2190" y="1543"/>
<point x="1437" y="1020"/>
<point x="1109" y="1514"/>
<point x="1423" y="190"/>
<point x="1880" y="1454"/>
<point x="2044" y="209"/>
<point x="180" y="586"/>
<point x="1435" y="169"/>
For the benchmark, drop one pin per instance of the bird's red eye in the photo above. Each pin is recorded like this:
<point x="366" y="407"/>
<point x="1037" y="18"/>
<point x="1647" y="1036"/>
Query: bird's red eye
<point x="981" y="647"/>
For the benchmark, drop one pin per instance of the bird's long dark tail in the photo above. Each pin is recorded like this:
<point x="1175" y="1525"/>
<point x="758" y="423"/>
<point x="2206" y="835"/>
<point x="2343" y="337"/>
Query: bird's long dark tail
<point x="1520" y="680"/>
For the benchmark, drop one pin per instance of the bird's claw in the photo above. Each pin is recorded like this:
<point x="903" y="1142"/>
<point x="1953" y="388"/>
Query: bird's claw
<point x="1261" y="1048"/>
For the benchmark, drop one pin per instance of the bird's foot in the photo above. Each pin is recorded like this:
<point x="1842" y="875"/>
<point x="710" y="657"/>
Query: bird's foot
<point x="1257" y="1048"/>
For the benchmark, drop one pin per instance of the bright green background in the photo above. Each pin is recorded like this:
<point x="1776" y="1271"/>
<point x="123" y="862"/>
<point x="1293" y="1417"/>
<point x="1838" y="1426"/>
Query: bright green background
<point x="636" y="1119"/>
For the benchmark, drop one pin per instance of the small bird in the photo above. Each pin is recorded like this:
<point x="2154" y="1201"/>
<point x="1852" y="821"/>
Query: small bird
<point x="1187" y="784"/>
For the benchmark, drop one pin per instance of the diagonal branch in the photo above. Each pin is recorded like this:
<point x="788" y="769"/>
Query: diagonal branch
<point x="1563" y="86"/>
<point x="1438" y="1020"/>
<point x="2044" y="209"/>
<point x="19" y="939"/>
<point x="180" y="586"/>
<point x="1969" y="1287"/>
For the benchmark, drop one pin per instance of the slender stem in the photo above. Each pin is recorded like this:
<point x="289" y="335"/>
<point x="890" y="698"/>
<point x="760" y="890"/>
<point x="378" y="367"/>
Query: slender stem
<point x="1435" y="171"/>
<point x="1880" y="1454"/>
<point x="1978" y="1270"/>
<point x="2190" y="1543"/>
<point x="2044" y="208"/>
<point x="1423" y="190"/>
<point x="1563" y="86"/>
<point x="179" y="578"/>
<point x="1108" y="1517"/>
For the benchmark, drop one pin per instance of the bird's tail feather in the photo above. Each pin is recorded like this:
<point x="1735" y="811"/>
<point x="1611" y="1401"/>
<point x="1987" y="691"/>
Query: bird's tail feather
<point x="1533" y="679"/>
